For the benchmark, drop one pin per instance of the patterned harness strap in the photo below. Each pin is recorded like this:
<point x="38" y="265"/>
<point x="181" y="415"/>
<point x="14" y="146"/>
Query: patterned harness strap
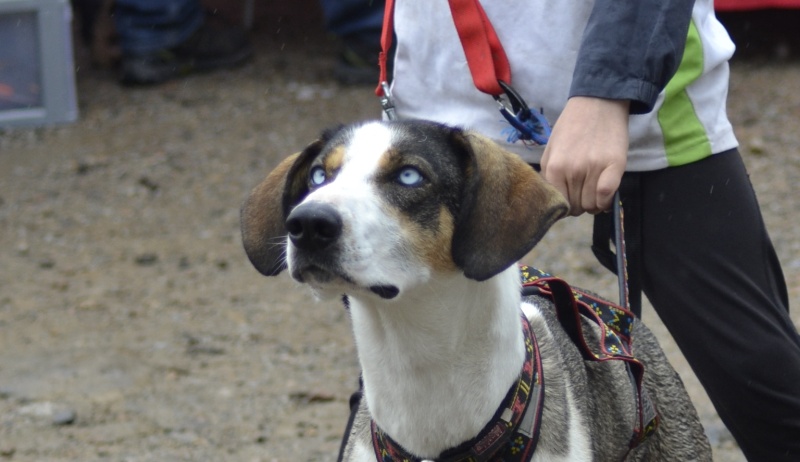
<point x="615" y="324"/>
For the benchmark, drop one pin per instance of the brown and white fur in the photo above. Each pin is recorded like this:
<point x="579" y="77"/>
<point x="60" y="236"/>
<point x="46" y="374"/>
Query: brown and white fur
<point x="420" y="226"/>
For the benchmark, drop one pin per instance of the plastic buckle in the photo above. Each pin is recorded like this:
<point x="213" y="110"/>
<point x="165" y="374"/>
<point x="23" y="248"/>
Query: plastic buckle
<point x="528" y="125"/>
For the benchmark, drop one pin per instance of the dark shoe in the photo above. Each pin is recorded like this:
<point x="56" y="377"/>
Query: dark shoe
<point x="358" y="63"/>
<point x="211" y="47"/>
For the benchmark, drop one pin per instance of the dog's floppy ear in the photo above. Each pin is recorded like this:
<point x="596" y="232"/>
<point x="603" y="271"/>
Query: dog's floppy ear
<point x="507" y="207"/>
<point x="264" y="212"/>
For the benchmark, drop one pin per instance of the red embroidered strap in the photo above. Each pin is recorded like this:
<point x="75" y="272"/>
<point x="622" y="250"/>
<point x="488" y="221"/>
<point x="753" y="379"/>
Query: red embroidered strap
<point x="486" y="58"/>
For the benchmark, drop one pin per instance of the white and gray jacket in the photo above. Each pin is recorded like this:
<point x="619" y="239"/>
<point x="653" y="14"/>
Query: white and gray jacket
<point x="639" y="50"/>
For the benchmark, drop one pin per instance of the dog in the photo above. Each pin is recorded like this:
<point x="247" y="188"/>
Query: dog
<point x="420" y="226"/>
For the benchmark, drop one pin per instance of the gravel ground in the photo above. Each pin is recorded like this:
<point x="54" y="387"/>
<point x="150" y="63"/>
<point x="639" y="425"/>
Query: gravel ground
<point x="132" y="327"/>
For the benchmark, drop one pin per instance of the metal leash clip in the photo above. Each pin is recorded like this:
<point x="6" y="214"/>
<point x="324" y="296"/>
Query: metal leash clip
<point x="527" y="125"/>
<point x="387" y="103"/>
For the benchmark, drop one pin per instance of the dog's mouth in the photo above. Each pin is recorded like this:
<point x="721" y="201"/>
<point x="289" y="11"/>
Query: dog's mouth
<point x="386" y="292"/>
<point x="319" y="277"/>
<point x="315" y="274"/>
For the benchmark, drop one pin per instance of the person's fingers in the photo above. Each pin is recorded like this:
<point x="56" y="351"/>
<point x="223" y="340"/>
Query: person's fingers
<point x="586" y="191"/>
<point x="607" y="185"/>
<point x="576" y="183"/>
<point x="588" y="194"/>
<point x="555" y="173"/>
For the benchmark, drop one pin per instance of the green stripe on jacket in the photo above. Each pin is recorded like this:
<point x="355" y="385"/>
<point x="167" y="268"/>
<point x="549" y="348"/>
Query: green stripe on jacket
<point x="685" y="138"/>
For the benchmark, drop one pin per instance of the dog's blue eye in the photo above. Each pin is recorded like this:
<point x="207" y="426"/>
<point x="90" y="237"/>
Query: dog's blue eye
<point x="317" y="176"/>
<point x="409" y="176"/>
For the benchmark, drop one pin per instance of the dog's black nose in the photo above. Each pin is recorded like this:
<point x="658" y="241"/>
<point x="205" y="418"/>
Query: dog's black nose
<point x="314" y="226"/>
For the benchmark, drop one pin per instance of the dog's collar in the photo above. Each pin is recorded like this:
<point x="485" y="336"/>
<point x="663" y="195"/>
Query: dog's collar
<point x="511" y="435"/>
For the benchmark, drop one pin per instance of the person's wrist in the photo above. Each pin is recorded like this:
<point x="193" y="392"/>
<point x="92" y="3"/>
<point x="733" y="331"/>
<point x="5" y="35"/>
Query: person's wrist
<point x="614" y="106"/>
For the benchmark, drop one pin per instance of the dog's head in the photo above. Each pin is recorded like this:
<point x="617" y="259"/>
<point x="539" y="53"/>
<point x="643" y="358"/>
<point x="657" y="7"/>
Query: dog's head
<point x="380" y="207"/>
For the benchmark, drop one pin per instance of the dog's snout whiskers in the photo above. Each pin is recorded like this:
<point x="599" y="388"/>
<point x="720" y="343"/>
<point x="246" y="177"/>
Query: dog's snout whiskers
<point x="314" y="226"/>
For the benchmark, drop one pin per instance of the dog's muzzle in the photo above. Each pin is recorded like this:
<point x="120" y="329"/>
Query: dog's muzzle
<point x="313" y="230"/>
<point x="314" y="226"/>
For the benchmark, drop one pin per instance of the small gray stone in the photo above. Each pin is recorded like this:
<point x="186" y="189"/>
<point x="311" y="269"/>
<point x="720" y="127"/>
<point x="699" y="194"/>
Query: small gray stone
<point x="146" y="259"/>
<point x="7" y="451"/>
<point x="64" y="417"/>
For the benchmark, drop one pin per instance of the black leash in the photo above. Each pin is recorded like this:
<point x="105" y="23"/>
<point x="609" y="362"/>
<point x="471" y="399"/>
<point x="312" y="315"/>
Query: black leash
<point x="619" y="245"/>
<point x="623" y="232"/>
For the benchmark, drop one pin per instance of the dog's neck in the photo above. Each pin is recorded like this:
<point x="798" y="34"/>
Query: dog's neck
<point x="437" y="363"/>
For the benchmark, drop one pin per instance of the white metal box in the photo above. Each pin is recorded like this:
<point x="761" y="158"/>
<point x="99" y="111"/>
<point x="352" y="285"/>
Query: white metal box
<point x="37" y="72"/>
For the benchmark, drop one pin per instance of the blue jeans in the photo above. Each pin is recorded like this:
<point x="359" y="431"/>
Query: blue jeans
<point x="145" y="26"/>
<point x="359" y="19"/>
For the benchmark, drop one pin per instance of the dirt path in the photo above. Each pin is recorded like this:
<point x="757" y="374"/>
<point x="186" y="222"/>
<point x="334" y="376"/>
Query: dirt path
<point x="132" y="327"/>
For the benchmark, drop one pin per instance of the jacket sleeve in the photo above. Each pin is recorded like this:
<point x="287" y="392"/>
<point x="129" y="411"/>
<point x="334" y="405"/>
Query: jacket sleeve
<point x="630" y="49"/>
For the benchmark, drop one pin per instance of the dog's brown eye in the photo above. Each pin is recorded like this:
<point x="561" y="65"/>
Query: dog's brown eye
<point x="409" y="176"/>
<point x="317" y="176"/>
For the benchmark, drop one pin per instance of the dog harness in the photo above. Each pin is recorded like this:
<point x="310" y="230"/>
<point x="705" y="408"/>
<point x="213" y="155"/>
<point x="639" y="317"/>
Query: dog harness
<point x="510" y="436"/>
<point x="614" y="342"/>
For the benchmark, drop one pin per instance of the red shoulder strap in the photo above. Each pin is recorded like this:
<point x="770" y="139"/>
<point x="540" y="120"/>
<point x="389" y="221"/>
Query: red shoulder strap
<point x="486" y="58"/>
<point x="386" y="44"/>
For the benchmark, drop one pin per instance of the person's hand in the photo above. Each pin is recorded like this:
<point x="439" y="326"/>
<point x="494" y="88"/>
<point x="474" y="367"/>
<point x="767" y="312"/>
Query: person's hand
<point x="587" y="152"/>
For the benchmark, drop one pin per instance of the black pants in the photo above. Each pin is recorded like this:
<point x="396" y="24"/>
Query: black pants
<point x="708" y="267"/>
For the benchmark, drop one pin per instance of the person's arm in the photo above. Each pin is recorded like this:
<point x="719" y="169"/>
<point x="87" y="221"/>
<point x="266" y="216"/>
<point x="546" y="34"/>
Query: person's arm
<point x="630" y="50"/>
